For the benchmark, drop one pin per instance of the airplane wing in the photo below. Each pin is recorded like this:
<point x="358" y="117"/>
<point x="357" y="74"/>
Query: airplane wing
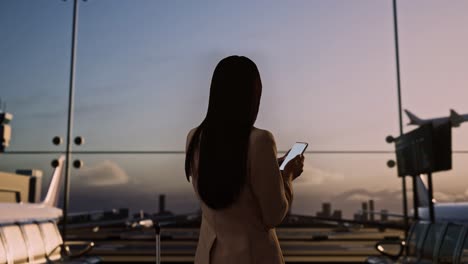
<point x="27" y="212"/>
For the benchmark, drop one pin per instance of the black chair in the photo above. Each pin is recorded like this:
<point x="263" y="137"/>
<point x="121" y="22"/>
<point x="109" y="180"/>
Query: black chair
<point x="408" y="250"/>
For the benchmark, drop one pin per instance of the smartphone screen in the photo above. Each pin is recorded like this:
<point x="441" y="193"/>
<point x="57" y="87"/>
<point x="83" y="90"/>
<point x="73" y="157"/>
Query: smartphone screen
<point x="297" y="149"/>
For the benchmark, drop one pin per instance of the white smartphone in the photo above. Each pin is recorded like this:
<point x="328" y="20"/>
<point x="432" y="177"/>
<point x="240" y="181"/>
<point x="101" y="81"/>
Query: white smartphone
<point x="297" y="149"/>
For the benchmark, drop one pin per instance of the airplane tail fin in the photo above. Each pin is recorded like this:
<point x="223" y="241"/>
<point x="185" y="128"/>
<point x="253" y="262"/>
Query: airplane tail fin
<point x="421" y="192"/>
<point x="414" y="120"/>
<point x="455" y="118"/>
<point x="52" y="196"/>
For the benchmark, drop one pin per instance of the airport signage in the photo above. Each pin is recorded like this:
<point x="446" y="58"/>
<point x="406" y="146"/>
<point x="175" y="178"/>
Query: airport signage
<point x="424" y="150"/>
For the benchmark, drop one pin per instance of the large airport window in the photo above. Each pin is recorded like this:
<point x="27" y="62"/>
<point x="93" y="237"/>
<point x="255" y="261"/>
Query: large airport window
<point x="143" y="73"/>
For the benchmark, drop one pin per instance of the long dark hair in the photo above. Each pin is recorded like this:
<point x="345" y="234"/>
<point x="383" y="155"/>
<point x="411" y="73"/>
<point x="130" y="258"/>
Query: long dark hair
<point x="223" y="135"/>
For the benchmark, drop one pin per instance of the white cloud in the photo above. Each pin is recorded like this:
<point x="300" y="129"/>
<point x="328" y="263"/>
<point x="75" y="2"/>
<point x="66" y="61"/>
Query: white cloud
<point x="106" y="173"/>
<point x="443" y="197"/>
<point x="316" y="176"/>
<point x="362" y="197"/>
<point x="451" y="197"/>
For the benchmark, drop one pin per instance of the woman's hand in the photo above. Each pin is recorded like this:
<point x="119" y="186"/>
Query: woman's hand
<point x="295" y="167"/>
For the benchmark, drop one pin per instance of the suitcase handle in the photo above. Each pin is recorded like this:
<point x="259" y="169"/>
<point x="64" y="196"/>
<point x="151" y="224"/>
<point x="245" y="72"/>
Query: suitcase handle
<point x="157" y="231"/>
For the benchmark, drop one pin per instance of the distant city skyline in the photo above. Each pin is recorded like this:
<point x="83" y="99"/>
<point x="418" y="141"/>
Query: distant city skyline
<point x="143" y="75"/>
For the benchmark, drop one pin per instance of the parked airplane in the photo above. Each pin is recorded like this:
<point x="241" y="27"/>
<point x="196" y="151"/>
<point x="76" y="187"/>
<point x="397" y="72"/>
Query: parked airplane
<point x="454" y="118"/>
<point x="450" y="212"/>
<point x="453" y="212"/>
<point x="46" y="210"/>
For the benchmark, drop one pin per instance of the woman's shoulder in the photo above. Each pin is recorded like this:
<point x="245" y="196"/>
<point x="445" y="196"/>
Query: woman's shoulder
<point x="261" y="135"/>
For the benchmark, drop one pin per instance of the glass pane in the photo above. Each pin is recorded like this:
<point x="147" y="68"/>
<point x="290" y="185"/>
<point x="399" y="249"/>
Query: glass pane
<point x="346" y="181"/>
<point x="144" y="71"/>
<point x="108" y="182"/>
<point x="34" y="70"/>
<point x="433" y="58"/>
<point x="447" y="249"/>
<point x="136" y="181"/>
<point x="451" y="186"/>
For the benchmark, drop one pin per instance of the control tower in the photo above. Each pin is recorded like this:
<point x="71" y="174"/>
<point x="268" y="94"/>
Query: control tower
<point x="5" y="129"/>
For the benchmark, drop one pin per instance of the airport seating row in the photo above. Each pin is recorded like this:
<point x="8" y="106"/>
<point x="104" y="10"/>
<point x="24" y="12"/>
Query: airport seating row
<point x="426" y="243"/>
<point x="39" y="242"/>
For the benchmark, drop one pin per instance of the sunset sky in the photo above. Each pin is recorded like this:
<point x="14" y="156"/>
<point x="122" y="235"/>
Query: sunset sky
<point x="143" y="76"/>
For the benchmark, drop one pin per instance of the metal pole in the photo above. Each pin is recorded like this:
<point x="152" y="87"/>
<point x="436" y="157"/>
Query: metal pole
<point x="415" y="198"/>
<point x="397" y="57"/>
<point x="430" y="196"/>
<point x="66" y="196"/>
<point x="405" y="205"/>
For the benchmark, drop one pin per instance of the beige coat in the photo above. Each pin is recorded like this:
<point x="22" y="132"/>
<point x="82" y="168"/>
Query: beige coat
<point x="245" y="232"/>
